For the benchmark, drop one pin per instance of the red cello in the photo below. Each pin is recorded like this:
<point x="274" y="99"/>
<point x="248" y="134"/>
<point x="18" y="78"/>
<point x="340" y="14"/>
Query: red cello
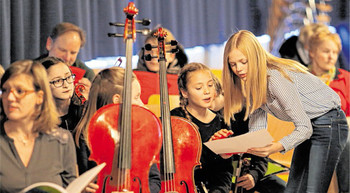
<point x="182" y="143"/>
<point x="125" y="136"/>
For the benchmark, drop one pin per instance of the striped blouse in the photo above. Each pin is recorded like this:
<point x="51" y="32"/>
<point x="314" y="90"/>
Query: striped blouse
<point x="299" y="101"/>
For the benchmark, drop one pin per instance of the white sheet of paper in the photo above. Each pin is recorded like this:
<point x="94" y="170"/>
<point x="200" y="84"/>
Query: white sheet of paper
<point x="241" y="143"/>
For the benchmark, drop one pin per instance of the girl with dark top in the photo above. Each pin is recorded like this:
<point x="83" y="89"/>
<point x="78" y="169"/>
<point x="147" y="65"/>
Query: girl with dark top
<point x="61" y="81"/>
<point x="107" y="88"/>
<point x="197" y="91"/>
<point x="32" y="147"/>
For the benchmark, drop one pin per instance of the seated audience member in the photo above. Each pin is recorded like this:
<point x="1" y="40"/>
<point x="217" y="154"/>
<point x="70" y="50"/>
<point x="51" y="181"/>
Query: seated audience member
<point x="32" y="146"/>
<point x="65" y="42"/>
<point x="146" y="70"/>
<point x="324" y="51"/>
<point x="197" y="92"/>
<point x="296" y="47"/>
<point x="107" y="88"/>
<point x="61" y="81"/>
<point x="175" y="61"/>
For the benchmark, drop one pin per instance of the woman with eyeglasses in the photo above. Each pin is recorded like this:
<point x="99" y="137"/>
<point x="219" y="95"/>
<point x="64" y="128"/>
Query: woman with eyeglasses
<point x="32" y="147"/>
<point x="62" y="87"/>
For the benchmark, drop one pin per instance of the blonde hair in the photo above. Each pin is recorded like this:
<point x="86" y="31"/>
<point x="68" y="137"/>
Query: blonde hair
<point x="46" y="114"/>
<point x="308" y="30"/>
<point x="321" y="37"/>
<point x="253" y="95"/>
<point x="107" y="83"/>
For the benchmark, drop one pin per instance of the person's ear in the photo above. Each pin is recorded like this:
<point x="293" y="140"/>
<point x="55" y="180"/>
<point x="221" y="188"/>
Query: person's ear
<point x="311" y="54"/>
<point x="49" y="43"/>
<point x="116" y="98"/>
<point x="40" y="97"/>
<point x="184" y="93"/>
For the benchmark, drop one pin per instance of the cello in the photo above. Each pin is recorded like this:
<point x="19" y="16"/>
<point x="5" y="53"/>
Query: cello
<point x="126" y="137"/>
<point x="182" y="145"/>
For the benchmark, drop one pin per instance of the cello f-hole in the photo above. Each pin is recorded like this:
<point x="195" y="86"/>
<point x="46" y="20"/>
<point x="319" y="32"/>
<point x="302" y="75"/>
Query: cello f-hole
<point x="139" y="182"/>
<point x="104" y="184"/>
<point x="184" y="183"/>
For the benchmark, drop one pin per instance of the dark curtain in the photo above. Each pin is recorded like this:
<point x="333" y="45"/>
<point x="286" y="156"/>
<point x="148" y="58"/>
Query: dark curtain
<point x="26" y="24"/>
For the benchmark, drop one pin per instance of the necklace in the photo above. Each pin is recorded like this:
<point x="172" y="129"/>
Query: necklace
<point x="23" y="141"/>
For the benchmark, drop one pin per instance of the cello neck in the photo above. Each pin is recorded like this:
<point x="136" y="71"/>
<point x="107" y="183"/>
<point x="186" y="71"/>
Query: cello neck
<point x="168" y="153"/>
<point x="125" y="110"/>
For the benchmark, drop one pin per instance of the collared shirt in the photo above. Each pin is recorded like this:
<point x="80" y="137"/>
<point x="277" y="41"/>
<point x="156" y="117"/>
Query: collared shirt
<point x="299" y="101"/>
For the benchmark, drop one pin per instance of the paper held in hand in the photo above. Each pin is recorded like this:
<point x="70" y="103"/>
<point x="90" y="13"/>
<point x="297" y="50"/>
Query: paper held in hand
<point x="76" y="186"/>
<point x="241" y="143"/>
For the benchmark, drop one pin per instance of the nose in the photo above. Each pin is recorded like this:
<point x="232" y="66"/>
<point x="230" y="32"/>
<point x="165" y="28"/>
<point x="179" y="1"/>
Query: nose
<point x="11" y="96"/>
<point x="66" y="57"/>
<point x="206" y="90"/>
<point x="239" y="67"/>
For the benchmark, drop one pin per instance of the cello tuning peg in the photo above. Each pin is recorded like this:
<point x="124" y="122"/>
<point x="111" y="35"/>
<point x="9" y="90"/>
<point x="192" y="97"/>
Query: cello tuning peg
<point x="149" y="47"/>
<point x="172" y="43"/>
<point x="115" y="35"/>
<point x="175" y="50"/>
<point x="117" y="24"/>
<point x="144" y="31"/>
<point x="148" y="57"/>
<point x="144" y="22"/>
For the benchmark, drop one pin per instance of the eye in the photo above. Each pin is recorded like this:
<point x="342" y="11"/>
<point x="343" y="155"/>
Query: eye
<point x="20" y="91"/>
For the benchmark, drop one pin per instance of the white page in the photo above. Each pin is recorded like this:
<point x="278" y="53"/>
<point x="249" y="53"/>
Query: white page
<point x="241" y="143"/>
<point x="82" y="181"/>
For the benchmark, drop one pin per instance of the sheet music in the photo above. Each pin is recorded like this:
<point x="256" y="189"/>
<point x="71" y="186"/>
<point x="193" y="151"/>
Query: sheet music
<point x="241" y="143"/>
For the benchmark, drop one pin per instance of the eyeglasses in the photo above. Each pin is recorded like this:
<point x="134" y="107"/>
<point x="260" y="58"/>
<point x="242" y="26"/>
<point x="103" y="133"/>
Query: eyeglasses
<point x="18" y="92"/>
<point x="59" y="82"/>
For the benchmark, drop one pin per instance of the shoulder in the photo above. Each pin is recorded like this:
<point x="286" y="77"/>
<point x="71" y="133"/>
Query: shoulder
<point x="178" y="111"/>
<point x="61" y="135"/>
<point x="343" y="73"/>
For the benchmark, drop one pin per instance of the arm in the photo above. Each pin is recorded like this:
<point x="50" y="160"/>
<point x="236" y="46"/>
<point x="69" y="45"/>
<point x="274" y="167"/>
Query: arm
<point x="154" y="179"/>
<point x="284" y="101"/>
<point x="69" y="161"/>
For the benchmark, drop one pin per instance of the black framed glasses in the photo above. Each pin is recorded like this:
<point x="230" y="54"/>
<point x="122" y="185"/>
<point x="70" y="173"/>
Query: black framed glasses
<point x="59" y="82"/>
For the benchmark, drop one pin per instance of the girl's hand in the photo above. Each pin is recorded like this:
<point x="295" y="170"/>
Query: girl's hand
<point x="246" y="181"/>
<point x="223" y="133"/>
<point x="267" y="150"/>
<point x="92" y="187"/>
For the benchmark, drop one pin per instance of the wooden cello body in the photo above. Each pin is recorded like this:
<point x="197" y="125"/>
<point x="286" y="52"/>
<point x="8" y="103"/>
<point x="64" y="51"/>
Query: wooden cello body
<point x="126" y="137"/>
<point x="182" y="143"/>
<point x="104" y="136"/>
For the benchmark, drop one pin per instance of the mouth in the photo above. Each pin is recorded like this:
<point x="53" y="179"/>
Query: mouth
<point x="207" y="100"/>
<point x="243" y="75"/>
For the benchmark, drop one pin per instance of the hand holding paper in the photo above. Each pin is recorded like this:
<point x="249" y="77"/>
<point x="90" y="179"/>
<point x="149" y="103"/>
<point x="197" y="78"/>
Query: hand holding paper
<point x="241" y="143"/>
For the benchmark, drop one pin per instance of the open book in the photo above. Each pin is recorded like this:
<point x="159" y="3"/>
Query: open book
<point x="240" y="143"/>
<point x="76" y="186"/>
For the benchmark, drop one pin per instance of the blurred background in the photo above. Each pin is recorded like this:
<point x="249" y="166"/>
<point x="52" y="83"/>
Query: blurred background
<point x="201" y="26"/>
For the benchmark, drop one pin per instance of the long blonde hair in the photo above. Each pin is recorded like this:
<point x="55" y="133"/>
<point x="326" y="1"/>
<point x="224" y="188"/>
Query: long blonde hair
<point x="253" y="95"/>
<point x="107" y="83"/>
<point x="46" y="116"/>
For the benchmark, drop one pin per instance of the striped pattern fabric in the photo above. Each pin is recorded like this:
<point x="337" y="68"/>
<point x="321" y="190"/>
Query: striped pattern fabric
<point x="299" y="101"/>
